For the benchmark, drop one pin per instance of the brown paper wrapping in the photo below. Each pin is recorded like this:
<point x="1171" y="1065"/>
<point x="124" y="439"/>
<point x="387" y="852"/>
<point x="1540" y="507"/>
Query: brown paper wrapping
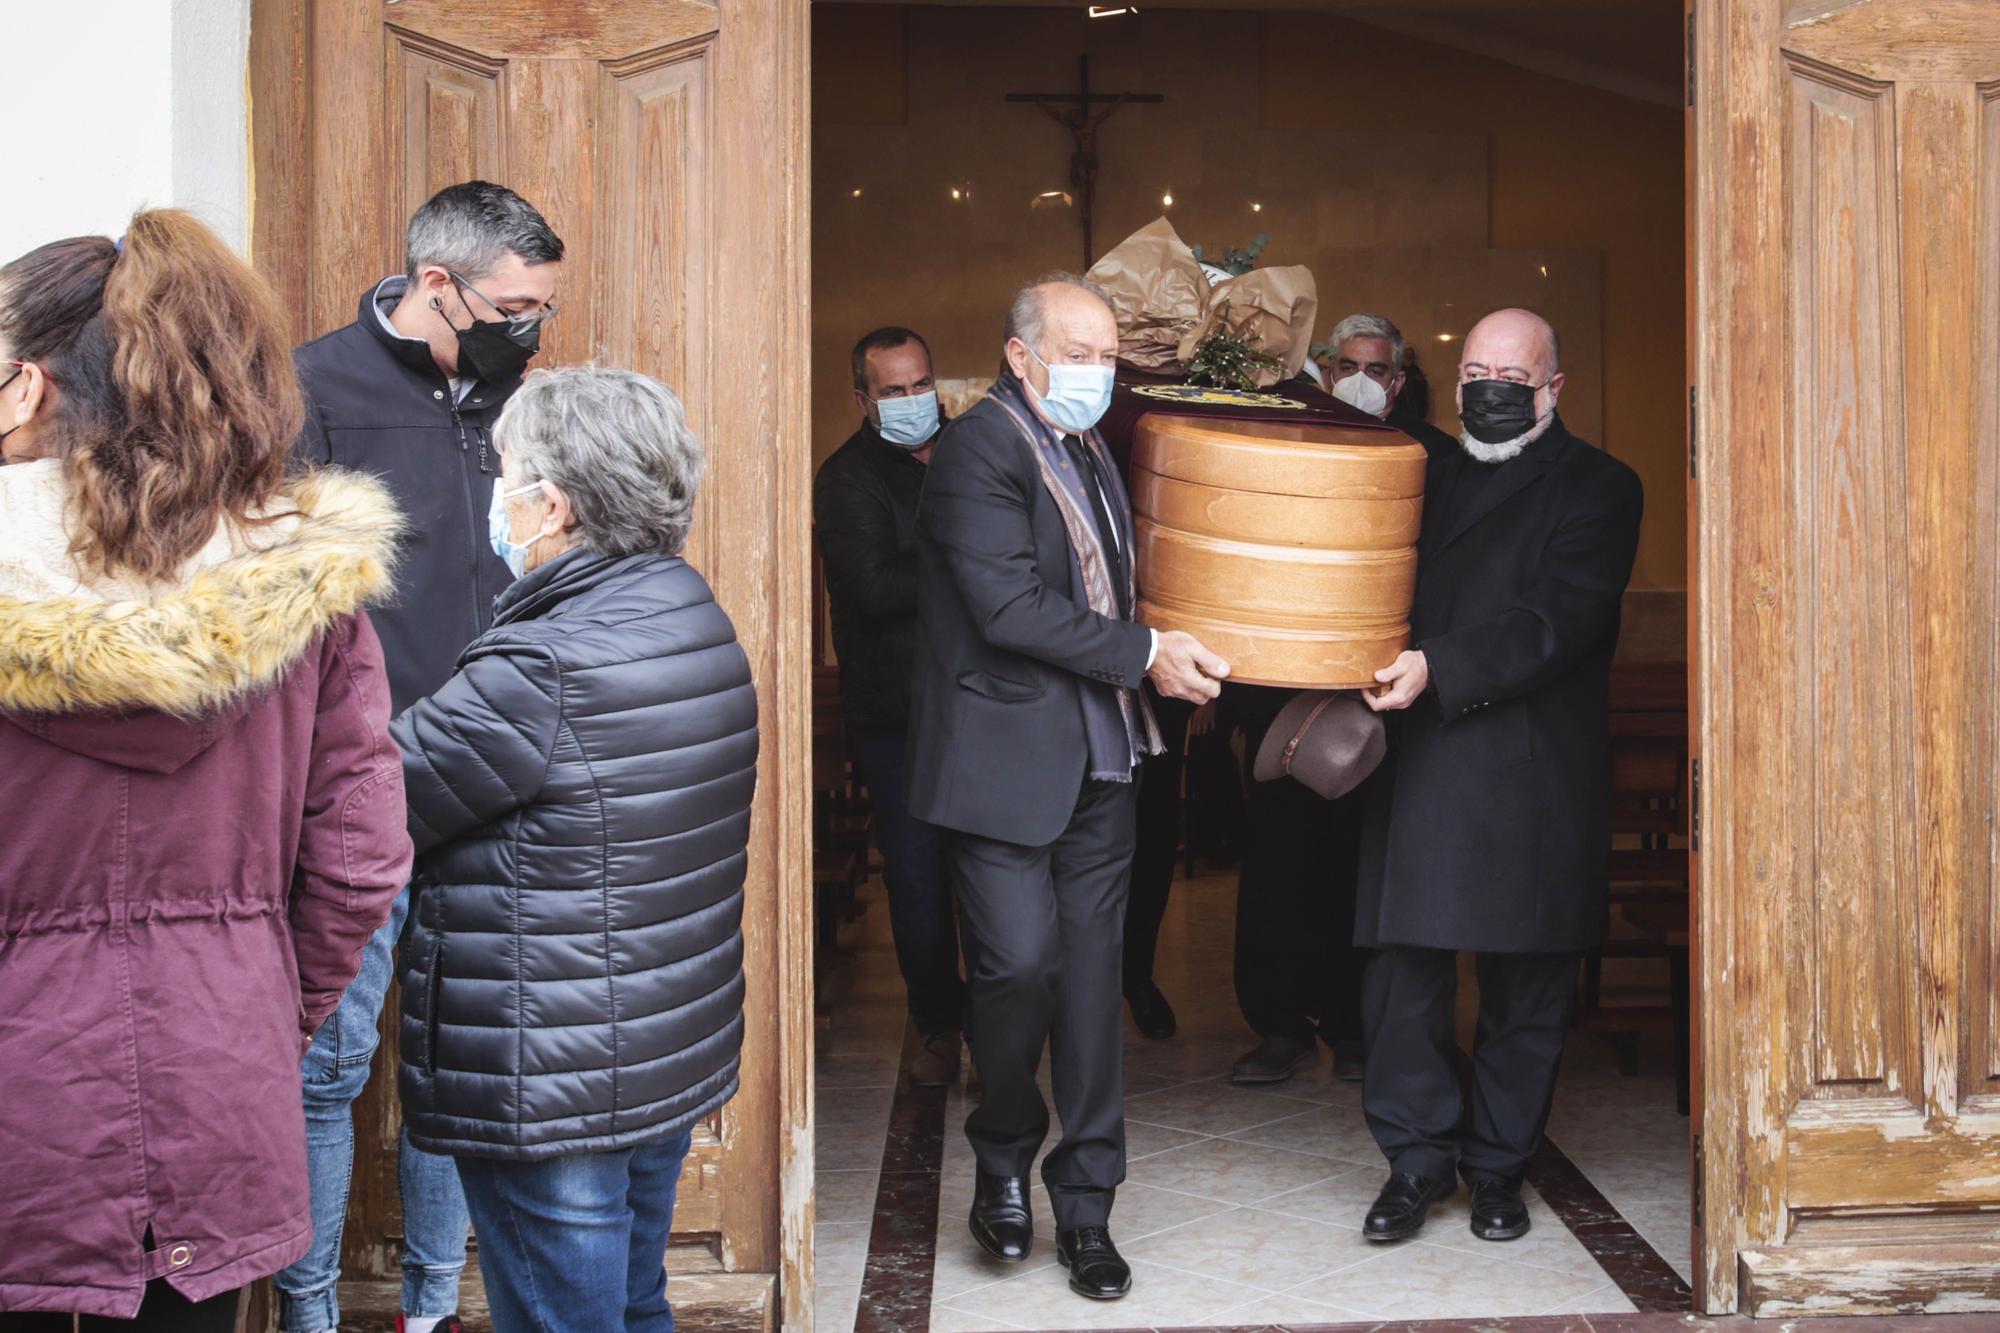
<point x="1158" y="292"/>
<point x="1166" y="306"/>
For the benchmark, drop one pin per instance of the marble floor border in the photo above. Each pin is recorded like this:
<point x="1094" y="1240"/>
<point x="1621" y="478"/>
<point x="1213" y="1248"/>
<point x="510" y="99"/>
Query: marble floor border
<point x="1647" y="1280"/>
<point x="902" y="1239"/>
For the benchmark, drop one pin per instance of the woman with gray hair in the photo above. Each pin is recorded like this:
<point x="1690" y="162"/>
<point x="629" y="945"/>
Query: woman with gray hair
<point x="579" y="796"/>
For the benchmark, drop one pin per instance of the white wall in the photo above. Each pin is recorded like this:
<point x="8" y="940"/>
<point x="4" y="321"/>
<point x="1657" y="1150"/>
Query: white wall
<point x="146" y="102"/>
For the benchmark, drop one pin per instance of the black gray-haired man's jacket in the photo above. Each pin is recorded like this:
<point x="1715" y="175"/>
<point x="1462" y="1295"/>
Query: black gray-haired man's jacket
<point x="376" y="402"/>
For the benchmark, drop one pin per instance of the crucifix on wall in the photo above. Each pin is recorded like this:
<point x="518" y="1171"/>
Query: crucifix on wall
<point x="1081" y="112"/>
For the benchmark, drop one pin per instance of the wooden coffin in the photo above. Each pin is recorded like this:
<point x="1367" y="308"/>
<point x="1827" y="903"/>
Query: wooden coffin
<point x="1289" y="548"/>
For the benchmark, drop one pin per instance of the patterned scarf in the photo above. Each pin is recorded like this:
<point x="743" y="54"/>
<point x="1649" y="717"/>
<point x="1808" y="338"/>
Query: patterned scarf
<point x="1117" y="741"/>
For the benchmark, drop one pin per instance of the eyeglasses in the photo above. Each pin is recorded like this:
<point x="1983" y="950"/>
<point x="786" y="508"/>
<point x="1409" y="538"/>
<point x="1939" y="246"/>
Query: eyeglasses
<point x="20" y="369"/>
<point x="515" y="323"/>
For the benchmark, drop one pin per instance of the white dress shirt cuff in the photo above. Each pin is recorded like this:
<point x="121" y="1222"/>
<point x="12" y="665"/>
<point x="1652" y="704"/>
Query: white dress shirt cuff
<point x="1153" y="651"/>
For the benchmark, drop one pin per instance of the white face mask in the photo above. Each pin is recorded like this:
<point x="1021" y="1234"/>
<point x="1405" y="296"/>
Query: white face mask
<point x="1078" y="396"/>
<point x="1360" y="391"/>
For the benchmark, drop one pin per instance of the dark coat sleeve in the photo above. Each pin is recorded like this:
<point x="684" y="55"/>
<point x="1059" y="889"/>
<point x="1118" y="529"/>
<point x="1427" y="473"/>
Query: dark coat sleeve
<point x="354" y="856"/>
<point x="480" y="747"/>
<point x="856" y="527"/>
<point x="1569" y="607"/>
<point x="312" y="447"/>
<point x="977" y="511"/>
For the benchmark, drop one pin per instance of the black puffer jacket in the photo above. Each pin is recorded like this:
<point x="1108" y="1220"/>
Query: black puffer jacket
<point x="580" y="801"/>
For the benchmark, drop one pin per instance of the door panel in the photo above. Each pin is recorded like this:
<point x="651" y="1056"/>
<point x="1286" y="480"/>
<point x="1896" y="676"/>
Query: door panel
<point x="1848" y="215"/>
<point x="633" y="125"/>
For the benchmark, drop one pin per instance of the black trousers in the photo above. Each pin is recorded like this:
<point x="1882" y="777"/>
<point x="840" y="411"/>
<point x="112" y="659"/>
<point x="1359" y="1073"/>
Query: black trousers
<point x="1045" y="928"/>
<point x="913" y="871"/>
<point x="1158" y="839"/>
<point x="1415" y="1108"/>
<point x="1298" y="973"/>
<point x="162" y="1310"/>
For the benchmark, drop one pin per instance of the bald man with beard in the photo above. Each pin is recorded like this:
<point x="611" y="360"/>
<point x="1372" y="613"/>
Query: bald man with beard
<point x="1489" y="825"/>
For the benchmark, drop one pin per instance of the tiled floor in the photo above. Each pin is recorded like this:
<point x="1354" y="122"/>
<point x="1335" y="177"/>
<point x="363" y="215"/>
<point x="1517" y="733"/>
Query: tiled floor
<point x="1242" y="1207"/>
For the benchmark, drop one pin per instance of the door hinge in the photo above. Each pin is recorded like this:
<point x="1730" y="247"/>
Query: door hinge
<point x="1693" y="435"/>
<point x="1696" y="1190"/>
<point x="1690" y="57"/>
<point x="1694" y="804"/>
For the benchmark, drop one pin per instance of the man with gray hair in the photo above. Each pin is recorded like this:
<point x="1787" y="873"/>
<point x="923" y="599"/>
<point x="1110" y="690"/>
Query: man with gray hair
<point x="1027" y="724"/>
<point x="1367" y="370"/>
<point x="410" y="392"/>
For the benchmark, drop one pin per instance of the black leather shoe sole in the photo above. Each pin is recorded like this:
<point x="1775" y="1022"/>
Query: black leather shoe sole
<point x="994" y="1247"/>
<point x="1511" y="1231"/>
<point x="1082" y="1288"/>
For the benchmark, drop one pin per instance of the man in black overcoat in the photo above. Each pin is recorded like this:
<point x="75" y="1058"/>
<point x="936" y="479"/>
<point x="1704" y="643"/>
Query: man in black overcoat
<point x="1489" y="824"/>
<point x="1027" y="723"/>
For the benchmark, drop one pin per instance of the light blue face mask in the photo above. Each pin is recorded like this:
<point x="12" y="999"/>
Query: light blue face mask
<point x="908" y="422"/>
<point x="500" y="530"/>
<point x="1078" y="396"/>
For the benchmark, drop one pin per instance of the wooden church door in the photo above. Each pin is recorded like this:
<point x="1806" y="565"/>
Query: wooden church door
<point x="1847" y="367"/>
<point x="665" y="140"/>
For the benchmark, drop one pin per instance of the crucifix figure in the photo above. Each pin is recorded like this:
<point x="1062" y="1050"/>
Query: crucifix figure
<point x="1080" y="113"/>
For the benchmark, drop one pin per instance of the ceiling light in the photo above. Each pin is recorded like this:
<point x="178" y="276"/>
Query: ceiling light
<point x="1110" y="11"/>
<point x="1167" y="200"/>
<point x="1256" y="208"/>
<point x="1444" y="337"/>
<point x="855" y="193"/>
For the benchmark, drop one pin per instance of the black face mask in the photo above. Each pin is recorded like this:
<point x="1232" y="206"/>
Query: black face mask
<point x="493" y="350"/>
<point x="1495" y="411"/>
<point x="495" y="353"/>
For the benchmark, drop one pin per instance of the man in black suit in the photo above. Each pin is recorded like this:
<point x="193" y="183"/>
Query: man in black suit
<point x="1027" y="725"/>
<point x="1490" y="822"/>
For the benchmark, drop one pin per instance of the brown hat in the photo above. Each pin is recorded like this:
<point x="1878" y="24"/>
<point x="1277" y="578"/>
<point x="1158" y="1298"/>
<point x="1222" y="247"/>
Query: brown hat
<point x="1328" y="739"/>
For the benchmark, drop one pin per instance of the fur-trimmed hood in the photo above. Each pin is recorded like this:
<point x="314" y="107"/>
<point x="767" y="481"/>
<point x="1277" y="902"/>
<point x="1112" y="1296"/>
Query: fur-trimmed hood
<point x="248" y="605"/>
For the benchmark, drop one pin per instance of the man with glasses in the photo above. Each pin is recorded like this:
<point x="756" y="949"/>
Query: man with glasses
<point x="1489" y="824"/>
<point x="410" y="392"/>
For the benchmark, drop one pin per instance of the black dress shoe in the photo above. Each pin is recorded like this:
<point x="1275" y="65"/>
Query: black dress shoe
<point x="1399" y="1210"/>
<point x="1497" y="1210"/>
<point x="1151" y="1013"/>
<point x="1273" y="1060"/>
<point x="1001" y="1222"/>
<point x="1095" y="1270"/>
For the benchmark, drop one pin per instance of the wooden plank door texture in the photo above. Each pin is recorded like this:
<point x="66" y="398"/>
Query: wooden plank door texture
<point x="1847" y="260"/>
<point x="665" y="140"/>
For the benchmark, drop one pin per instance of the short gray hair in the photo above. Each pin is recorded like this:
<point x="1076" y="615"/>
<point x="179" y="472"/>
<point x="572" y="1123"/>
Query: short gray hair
<point x="617" y="444"/>
<point x="1027" y="311"/>
<point x="471" y="228"/>
<point x="1370" y="326"/>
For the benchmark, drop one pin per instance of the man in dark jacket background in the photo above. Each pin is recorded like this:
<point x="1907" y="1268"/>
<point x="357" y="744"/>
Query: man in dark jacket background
<point x="410" y="392"/>
<point x="865" y="519"/>
<point x="1489" y="824"/>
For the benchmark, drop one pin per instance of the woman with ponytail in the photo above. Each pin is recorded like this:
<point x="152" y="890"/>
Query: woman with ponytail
<point x="203" y="811"/>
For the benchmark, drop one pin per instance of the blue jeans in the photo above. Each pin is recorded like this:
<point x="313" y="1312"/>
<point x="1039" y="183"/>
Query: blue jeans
<point x="577" y="1244"/>
<point x="434" y="1216"/>
<point x="921" y="915"/>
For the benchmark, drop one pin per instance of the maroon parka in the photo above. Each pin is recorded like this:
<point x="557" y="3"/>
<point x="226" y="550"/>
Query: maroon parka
<point x="201" y="823"/>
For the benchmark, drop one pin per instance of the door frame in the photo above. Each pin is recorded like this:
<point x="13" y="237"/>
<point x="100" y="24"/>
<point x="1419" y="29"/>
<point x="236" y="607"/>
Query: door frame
<point x="771" y="40"/>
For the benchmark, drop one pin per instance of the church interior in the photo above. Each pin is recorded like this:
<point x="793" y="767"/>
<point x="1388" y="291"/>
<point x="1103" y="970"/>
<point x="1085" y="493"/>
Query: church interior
<point x="1428" y="162"/>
